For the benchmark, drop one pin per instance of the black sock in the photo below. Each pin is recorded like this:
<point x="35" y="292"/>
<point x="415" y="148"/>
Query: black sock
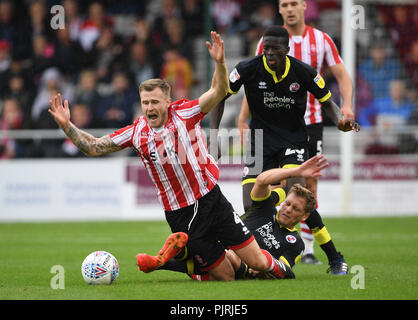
<point x="322" y="236"/>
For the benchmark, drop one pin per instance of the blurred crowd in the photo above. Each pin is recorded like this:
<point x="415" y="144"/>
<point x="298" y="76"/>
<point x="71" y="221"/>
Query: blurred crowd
<point x="108" y="47"/>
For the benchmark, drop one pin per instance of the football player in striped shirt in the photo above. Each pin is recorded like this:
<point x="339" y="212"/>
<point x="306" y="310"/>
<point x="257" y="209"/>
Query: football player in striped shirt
<point x="276" y="87"/>
<point x="169" y="141"/>
<point x="273" y="229"/>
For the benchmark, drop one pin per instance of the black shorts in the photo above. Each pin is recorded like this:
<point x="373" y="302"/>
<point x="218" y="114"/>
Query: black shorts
<point x="262" y="157"/>
<point x="315" y="133"/>
<point x="212" y="226"/>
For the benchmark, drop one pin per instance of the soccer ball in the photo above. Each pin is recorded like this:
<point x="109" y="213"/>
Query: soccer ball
<point x="100" y="267"/>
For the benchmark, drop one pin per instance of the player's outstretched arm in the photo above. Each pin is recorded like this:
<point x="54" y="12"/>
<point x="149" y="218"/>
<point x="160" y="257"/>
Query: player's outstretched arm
<point x="334" y="113"/>
<point x="220" y="84"/>
<point x="84" y="141"/>
<point x="309" y="169"/>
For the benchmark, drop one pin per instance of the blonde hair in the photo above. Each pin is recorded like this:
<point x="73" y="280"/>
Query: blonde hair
<point x="304" y="193"/>
<point x="151" y="84"/>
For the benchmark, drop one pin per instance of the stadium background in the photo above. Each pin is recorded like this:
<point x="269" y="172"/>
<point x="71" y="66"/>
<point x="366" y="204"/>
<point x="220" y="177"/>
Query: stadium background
<point x="109" y="47"/>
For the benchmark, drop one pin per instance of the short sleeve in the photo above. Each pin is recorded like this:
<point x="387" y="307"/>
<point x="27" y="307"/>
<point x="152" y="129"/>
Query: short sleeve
<point x="123" y="137"/>
<point x="332" y="56"/>
<point x="188" y="110"/>
<point x="236" y="79"/>
<point x="316" y="84"/>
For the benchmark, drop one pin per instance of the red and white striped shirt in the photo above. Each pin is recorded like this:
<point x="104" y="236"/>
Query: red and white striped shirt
<point x="314" y="47"/>
<point x="176" y="157"/>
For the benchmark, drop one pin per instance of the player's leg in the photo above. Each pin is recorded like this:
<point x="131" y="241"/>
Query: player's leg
<point x="315" y="133"/>
<point x="337" y="263"/>
<point x="172" y="247"/>
<point x="234" y="235"/>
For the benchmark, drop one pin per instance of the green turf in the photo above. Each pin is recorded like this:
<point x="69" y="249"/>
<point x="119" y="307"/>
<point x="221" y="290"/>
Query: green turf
<point x="385" y="247"/>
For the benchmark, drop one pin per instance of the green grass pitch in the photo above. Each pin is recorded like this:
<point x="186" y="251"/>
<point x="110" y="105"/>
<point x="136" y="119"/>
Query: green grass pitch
<point x="385" y="247"/>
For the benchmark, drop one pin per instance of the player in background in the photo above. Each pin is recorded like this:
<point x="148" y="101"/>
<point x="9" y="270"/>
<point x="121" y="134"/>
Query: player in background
<point x="315" y="48"/>
<point x="169" y="141"/>
<point x="276" y="87"/>
<point x="273" y="229"/>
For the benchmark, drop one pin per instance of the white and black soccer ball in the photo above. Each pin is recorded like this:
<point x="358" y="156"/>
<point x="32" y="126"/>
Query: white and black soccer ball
<point x="100" y="267"/>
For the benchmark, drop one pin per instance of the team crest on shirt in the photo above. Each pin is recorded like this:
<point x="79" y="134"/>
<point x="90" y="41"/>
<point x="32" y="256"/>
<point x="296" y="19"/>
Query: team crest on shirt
<point x="294" y="87"/>
<point x="234" y="75"/>
<point x="290" y="238"/>
<point x="320" y="82"/>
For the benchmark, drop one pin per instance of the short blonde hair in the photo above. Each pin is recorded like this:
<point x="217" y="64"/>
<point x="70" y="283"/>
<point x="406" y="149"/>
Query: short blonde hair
<point x="304" y="193"/>
<point x="151" y="84"/>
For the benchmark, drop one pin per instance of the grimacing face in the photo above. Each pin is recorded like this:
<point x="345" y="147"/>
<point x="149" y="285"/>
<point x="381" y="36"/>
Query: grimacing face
<point x="154" y="106"/>
<point x="292" y="211"/>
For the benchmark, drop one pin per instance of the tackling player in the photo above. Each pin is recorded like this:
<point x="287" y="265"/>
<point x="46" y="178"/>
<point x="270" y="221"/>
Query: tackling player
<point x="276" y="87"/>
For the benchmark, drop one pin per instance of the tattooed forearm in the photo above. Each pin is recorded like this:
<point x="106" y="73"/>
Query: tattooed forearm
<point x="89" y="144"/>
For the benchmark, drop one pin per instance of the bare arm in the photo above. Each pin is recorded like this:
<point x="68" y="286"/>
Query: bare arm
<point x="346" y="89"/>
<point x="309" y="169"/>
<point x="220" y="84"/>
<point x="84" y="141"/>
<point x="334" y="113"/>
<point x="244" y="114"/>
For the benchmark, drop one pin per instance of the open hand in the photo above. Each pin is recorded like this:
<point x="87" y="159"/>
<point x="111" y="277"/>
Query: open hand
<point x="60" y="111"/>
<point x="312" y="167"/>
<point x="216" y="49"/>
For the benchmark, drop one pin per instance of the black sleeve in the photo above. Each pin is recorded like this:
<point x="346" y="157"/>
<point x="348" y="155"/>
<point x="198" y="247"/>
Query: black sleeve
<point x="315" y="83"/>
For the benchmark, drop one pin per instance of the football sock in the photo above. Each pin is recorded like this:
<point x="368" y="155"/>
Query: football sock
<point x="322" y="235"/>
<point x="175" y="265"/>
<point x="242" y="272"/>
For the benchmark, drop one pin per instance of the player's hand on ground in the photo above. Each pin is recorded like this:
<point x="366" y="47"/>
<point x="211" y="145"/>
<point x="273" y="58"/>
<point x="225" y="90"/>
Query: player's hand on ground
<point x="312" y="167"/>
<point x="216" y="48"/>
<point x="60" y="111"/>
<point x="348" y="125"/>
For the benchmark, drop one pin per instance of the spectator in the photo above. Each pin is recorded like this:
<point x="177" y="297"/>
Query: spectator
<point x="40" y="20"/>
<point x="86" y="93"/>
<point x="411" y="64"/>
<point x="73" y="20"/>
<point x="178" y="72"/>
<point x="15" y="29"/>
<point x="43" y="56"/>
<point x="17" y="89"/>
<point x="140" y="64"/>
<point x="192" y="15"/>
<point x="51" y="82"/>
<point x="400" y="29"/>
<point x="225" y="13"/>
<point x="69" y="55"/>
<point x="116" y="109"/>
<point x="174" y="36"/>
<point x="379" y="69"/>
<point x="107" y="50"/>
<point x="93" y="25"/>
<point x="11" y="118"/>
<point x="4" y="55"/>
<point x="389" y="111"/>
<point x="265" y="16"/>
